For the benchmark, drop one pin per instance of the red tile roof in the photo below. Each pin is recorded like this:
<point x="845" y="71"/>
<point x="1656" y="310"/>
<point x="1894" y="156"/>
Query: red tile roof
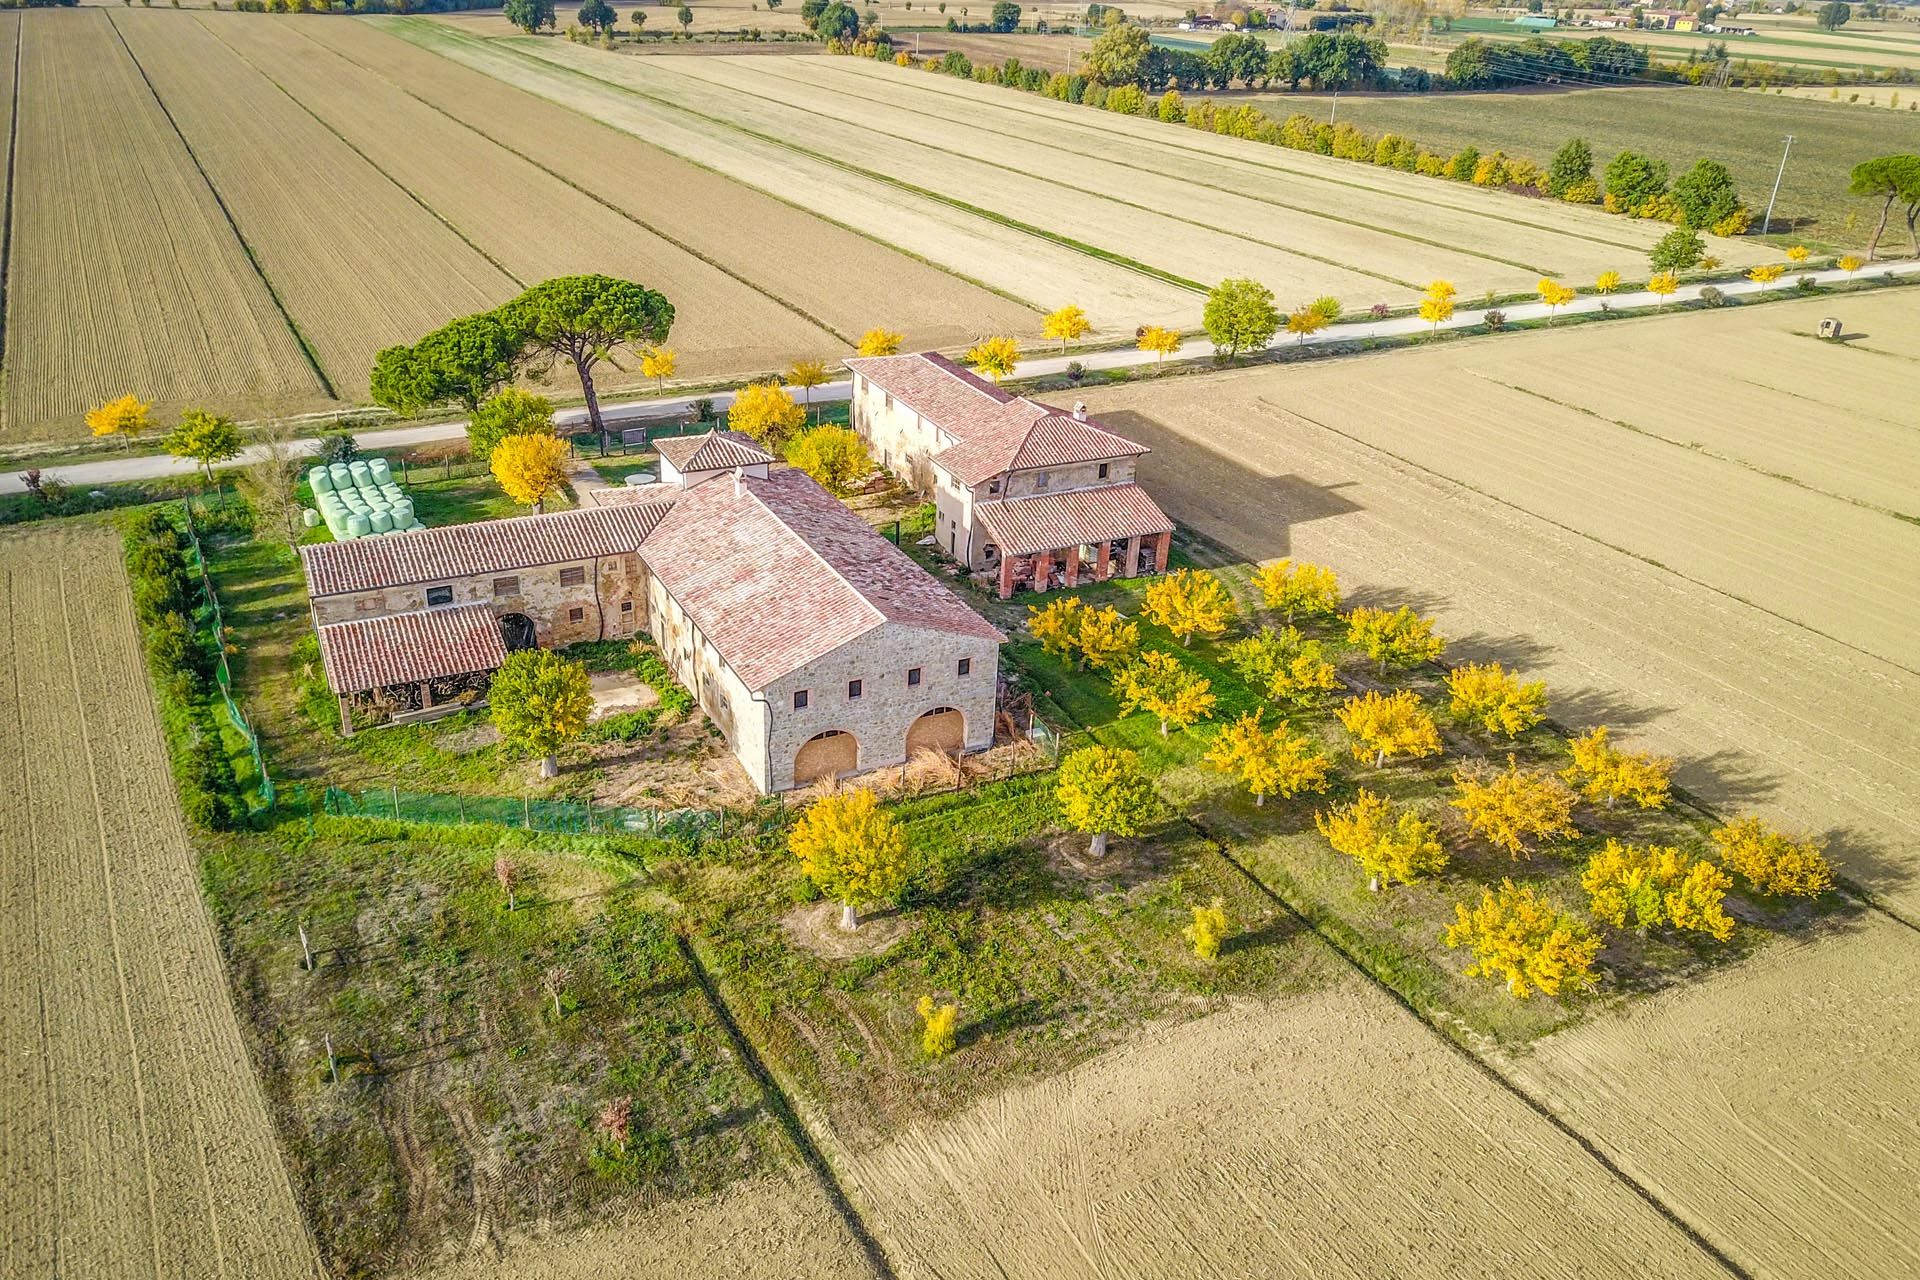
<point x="714" y="451"/>
<point x="487" y="546"/>
<point x="408" y="647"/>
<point x="1075" y="517"/>
<point x="776" y="572"/>
<point x="993" y="430"/>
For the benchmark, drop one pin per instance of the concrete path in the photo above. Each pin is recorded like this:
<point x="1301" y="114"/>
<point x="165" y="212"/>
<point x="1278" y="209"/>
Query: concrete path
<point x="84" y="475"/>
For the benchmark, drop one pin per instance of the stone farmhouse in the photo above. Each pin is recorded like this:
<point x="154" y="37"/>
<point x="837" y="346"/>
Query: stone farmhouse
<point x="816" y="645"/>
<point x="1031" y="495"/>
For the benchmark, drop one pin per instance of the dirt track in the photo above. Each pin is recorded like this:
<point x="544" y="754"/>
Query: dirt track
<point x="133" y="1139"/>
<point x="1330" y="1135"/>
<point x="1705" y="571"/>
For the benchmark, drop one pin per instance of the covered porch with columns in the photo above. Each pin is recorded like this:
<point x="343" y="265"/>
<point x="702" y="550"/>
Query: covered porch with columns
<point x="410" y="667"/>
<point x="1058" y="541"/>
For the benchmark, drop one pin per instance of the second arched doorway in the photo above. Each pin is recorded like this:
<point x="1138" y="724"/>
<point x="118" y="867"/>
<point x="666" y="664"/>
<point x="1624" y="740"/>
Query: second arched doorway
<point x="826" y="755"/>
<point x="943" y="729"/>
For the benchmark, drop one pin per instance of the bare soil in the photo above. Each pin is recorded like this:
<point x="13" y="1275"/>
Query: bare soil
<point x="815" y="927"/>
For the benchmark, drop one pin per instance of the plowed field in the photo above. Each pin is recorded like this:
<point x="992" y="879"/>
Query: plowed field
<point x="133" y="1138"/>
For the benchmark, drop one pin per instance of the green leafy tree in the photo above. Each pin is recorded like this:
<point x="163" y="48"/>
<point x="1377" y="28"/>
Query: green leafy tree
<point x="1679" y="250"/>
<point x="1572" y="164"/>
<point x="598" y="15"/>
<point x="464" y="361"/>
<point x="1832" y="15"/>
<point x="509" y="412"/>
<point x="540" y="702"/>
<point x="205" y="437"/>
<point x="685" y="18"/>
<point x="1633" y="179"/>
<point x="837" y="22"/>
<point x="1006" y="16"/>
<point x="1117" y="55"/>
<point x="1889" y="179"/>
<point x="1706" y="193"/>
<point x="1241" y="57"/>
<point x="1104" y="792"/>
<point x="1240" y="315"/>
<point x="583" y="320"/>
<point x="529" y="15"/>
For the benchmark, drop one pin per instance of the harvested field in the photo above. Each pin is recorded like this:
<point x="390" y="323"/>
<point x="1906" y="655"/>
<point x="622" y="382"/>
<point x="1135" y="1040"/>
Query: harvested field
<point x="1329" y="1134"/>
<point x="125" y="275"/>
<point x="357" y="261"/>
<point x="675" y="200"/>
<point x="720" y="324"/>
<point x="1700" y="585"/>
<point x="1769" y="1106"/>
<point x="137" y="1142"/>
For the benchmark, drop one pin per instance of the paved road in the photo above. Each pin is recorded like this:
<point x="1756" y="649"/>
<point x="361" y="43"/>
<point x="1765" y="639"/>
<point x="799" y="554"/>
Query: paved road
<point x="147" y="467"/>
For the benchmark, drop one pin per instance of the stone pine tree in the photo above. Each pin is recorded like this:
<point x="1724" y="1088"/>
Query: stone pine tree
<point x="540" y="702"/>
<point x="584" y="320"/>
<point x="1104" y="792"/>
<point x="852" y="850"/>
<point x="462" y="362"/>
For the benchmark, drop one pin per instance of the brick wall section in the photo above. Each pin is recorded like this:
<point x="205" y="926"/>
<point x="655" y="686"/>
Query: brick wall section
<point x="607" y="583"/>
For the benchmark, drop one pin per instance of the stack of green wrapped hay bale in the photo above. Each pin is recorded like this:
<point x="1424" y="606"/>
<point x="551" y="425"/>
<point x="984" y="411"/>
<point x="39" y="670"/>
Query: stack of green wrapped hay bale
<point x="360" y="499"/>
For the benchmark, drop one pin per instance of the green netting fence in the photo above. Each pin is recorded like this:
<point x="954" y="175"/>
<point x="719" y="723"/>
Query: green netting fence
<point x="222" y="673"/>
<point x="562" y="817"/>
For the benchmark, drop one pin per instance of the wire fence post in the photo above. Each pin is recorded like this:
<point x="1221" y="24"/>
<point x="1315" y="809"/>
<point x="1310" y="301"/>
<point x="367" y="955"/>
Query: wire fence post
<point x="395" y="789"/>
<point x="526" y="812"/>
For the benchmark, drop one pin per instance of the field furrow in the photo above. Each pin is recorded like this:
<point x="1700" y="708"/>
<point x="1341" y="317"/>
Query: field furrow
<point x="9" y="87"/>
<point x="358" y="263"/>
<point x="1035" y="270"/>
<point x="137" y="1142"/>
<point x="786" y="251"/>
<point x="526" y="220"/>
<point x="125" y="275"/>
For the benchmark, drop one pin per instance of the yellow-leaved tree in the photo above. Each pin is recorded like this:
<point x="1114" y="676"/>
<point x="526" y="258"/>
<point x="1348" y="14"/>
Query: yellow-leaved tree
<point x="852" y="850"/>
<point x="806" y="375"/>
<point x="1389" y="727"/>
<point x="539" y="702"/>
<point x="1663" y="285"/>
<point x="1608" y="282"/>
<point x="1494" y="699"/>
<point x="1605" y="774"/>
<point x="658" y="363"/>
<point x="765" y="411"/>
<point x="1068" y="324"/>
<point x="530" y="468"/>
<point x="1651" y="885"/>
<point x="1390" y="842"/>
<point x="1107" y="641"/>
<point x="1851" y="263"/>
<point x="1771" y="862"/>
<point x="1517" y="935"/>
<point x="1799" y="253"/>
<point x="1056" y="625"/>
<point x="1188" y="601"/>
<point x="835" y="456"/>
<point x="936" y="1027"/>
<point x="1766" y="274"/>
<point x="1309" y="590"/>
<point x="1273" y="761"/>
<point x="1159" y="684"/>
<point x="1104" y="792"/>
<point x="1514" y="809"/>
<point x="996" y="357"/>
<point x="1208" y="930"/>
<point x="1436" y="305"/>
<point x="1400" y="638"/>
<point x="1162" y="342"/>
<point x="880" y="342"/>
<point x="1305" y="322"/>
<point x="1555" y="295"/>
<point x="1292" y="669"/>
<point x="125" y="417"/>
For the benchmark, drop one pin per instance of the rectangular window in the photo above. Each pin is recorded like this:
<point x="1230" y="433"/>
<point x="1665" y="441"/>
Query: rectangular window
<point x="576" y="615"/>
<point x="506" y="587"/>
<point x="800" y="697"/>
<point x="1103" y="471"/>
<point x="889" y="401"/>
<point x="1042" y="480"/>
<point x="913" y="677"/>
<point x="966" y="666"/>
<point x="626" y="606"/>
<point x="573" y="577"/>
<point x="993" y="486"/>
<point x="439" y="595"/>
<point x="853" y="689"/>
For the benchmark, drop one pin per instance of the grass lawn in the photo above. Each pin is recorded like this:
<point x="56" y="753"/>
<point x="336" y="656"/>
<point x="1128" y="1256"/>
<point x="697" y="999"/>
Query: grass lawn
<point x="1745" y="131"/>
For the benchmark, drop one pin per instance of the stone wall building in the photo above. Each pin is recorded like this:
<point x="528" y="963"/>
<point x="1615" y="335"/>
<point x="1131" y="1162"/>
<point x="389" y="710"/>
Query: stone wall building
<point x="1030" y="494"/>
<point x="817" y="646"/>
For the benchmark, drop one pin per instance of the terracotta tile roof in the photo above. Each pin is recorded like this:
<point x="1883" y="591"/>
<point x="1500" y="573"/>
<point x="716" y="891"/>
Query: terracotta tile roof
<point x="716" y="450"/>
<point x="993" y="430"/>
<point x="628" y="495"/>
<point x="488" y="546"/>
<point x="1075" y="517"/>
<point x="776" y="572"/>
<point x="408" y="647"/>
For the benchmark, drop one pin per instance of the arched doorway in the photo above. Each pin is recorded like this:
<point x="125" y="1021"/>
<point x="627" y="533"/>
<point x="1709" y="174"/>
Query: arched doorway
<point x="826" y="755"/>
<point x="517" y="632"/>
<point x="943" y="729"/>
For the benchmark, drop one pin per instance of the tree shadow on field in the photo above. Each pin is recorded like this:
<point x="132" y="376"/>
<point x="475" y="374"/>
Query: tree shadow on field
<point x="1870" y="861"/>
<point x="1011" y="1017"/>
<point x="1581" y="709"/>
<point x="1729" y="780"/>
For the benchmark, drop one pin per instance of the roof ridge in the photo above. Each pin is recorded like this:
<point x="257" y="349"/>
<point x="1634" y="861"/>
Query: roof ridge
<point x="878" y="614"/>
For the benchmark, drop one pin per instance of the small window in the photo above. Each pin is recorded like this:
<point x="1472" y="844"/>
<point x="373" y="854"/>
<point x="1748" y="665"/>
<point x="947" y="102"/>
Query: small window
<point x="1042" y="480"/>
<point x="576" y="615"/>
<point x="626" y="606"/>
<point x="439" y="595"/>
<point x="993" y="486"/>
<point x="506" y="586"/>
<point x="573" y="577"/>
<point x="853" y="689"/>
<point x="889" y="401"/>
<point x="966" y="666"/>
<point x="913" y="677"/>
<point x="1103" y="471"/>
<point x="800" y="699"/>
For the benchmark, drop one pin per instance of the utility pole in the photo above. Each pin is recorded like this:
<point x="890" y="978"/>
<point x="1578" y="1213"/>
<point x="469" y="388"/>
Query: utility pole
<point x="1334" y="114"/>
<point x="1766" y="224"/>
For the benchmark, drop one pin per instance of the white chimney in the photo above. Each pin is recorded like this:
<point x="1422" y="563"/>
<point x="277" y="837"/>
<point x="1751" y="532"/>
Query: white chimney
<point x="736" y="482"/>
<point x="1079" y="410"/>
